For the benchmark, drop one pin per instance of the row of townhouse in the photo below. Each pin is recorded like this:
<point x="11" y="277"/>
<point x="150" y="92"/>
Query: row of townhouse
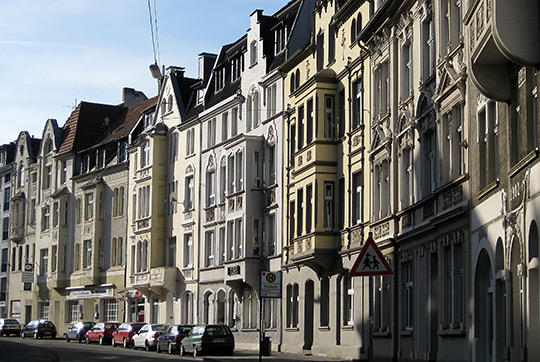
<point x="414" y="122"/>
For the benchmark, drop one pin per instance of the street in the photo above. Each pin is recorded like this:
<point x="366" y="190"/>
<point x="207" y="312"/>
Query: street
<point x="15" y="349"/>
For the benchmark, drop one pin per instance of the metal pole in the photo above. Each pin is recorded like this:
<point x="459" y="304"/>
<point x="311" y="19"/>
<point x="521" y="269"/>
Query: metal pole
<point x="370" y="327"/>
<point x="260" y="327"/>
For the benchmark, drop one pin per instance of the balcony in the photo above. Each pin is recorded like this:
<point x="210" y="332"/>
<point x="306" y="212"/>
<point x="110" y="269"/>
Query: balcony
<point x="238" y="272"/>
<point x="316" y="251"/>
<point x="159" y="280"/>
<point x="500" y="34"/>
<point x="16" y="233"/>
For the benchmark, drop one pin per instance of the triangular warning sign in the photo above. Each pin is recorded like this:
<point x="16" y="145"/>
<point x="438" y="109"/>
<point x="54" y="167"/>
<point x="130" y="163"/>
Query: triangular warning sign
<point x="370" y="261"/>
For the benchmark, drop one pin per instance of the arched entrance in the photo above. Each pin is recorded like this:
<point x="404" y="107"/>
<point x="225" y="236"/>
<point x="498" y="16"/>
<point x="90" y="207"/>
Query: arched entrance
<point x="534" y="292"/>
<point x="483" y="310"/>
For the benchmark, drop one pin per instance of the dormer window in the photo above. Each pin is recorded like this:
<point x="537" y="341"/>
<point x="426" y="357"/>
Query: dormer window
<point x="237" y="67"/>
<point x="253" y="53"/>
<point x="3" y="157"/>
<point x="220" y="79"/>
<point x="200" y="96"/>
<point x="148" y="120"/>
<point x="279" y="39"/>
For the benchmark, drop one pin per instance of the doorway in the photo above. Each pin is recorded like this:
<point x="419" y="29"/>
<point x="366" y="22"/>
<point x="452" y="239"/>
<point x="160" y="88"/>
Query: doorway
<point x="308" y="315"/>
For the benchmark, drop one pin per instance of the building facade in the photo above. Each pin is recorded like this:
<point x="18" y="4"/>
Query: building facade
<point x="7" y="154"/>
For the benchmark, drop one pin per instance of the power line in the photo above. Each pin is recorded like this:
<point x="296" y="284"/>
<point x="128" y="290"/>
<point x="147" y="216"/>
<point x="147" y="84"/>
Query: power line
<point x="155" y="45"/>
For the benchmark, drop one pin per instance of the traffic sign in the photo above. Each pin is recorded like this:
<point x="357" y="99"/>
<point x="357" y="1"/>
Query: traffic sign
<point x="270" y="284"/>
<point x="371" y="261"/>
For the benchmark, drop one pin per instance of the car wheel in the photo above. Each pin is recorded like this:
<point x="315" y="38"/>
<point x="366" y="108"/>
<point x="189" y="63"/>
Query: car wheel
<point x="146" y="345"/>
<point x="113" y="343"/>
<point x="36" y="335"/>
<point x="124" y="342"/>
<point x="169" y="348"/>
<point x="195" y="351"/>
<point x="182" y="351"/>
<point x="53" y="336"/>
<point x="87" y="340"/>
<point x="67" y="338"/>
<point x="23" y="335"/>
<point x="79" y="339"/>
<point x="101" y="341"/>
<point x="158" y="349"/>
<point x="133" y="344"/>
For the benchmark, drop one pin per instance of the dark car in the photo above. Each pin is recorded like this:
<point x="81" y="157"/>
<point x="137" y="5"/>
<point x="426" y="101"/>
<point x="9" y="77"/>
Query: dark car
<point x="39" y="329"/>
<point x="170" y="341"/>
<point x="9" y="326"/>
<point x="101" y="332"/>
<point x="125" y="332"/>
<point x="213" y="338"/>
<point x="78" y="331"/>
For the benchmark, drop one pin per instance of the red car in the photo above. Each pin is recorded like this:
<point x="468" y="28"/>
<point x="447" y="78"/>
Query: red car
<point x="124" y="333"/>
<point x="101" y="332"/>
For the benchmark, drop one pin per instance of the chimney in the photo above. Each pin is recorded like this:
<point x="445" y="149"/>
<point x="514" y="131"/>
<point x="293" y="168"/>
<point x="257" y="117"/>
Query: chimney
<point x="131" y="97"/>
<point x="206" y="63"/>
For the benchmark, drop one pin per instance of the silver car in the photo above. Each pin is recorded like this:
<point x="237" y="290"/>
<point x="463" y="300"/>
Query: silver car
<point x="148" y="335"/>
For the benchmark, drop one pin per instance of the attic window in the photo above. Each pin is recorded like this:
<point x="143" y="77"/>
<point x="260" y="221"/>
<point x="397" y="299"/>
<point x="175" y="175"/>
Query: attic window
<point x="237" y="67"/>
<point x="279" y="39"/>
<point x="253" y="53"/>
<point x="220" y="79"/>
<point x="170" y="102"/>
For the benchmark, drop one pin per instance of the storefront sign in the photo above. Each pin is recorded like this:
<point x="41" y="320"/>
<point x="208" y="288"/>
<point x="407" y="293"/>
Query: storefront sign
<point x="91" y="293"/>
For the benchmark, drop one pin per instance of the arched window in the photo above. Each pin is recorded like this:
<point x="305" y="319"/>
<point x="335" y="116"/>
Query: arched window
<point x="145" y="256"/>
<point x="249" y="309"/>
<point x="114" y="245"/>
<point x="297" y="84"/>
<point x="170" y="102"/>
<point x="208" y="305"/>
<point x="253" y="53"/>
<point x="293" y="83"/>
<point x="186" y="312"/>
<point x="359" y="24"/>
<point x="220" y="311"/>
<point x="139" y="256"/>
<point x="120" y="253"/>
<point x="20" y="176"/>
<point x="233" y="309"/>
<point x="353" y="31"/>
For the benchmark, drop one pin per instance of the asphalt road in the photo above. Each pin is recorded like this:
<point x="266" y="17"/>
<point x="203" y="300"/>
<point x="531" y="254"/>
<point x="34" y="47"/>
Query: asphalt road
<point x="16" y="349"/>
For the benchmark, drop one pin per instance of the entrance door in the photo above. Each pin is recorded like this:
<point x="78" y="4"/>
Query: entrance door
<point x="483" y="310"/>
<point x="28" y="314"/>
<point x="308" y="315"/>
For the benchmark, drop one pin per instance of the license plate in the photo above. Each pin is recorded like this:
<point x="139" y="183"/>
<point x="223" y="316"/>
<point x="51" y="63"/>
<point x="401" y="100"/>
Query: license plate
<point x="219" y="340"/>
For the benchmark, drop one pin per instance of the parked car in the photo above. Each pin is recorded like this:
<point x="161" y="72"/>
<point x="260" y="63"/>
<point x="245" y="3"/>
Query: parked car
<point x="9" y="326"/>
<point x="78" y="331"/>
<point x="215" y="338"/>
<point x="39" y="329"/>
<point x="125" y="332"/>
<point x="101" y="332"/>
<point x="147" y="336"/>
<point x="170" y="340"/>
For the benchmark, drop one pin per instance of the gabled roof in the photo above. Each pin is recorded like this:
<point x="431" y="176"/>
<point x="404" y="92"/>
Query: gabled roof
<point x="87" y="124"/>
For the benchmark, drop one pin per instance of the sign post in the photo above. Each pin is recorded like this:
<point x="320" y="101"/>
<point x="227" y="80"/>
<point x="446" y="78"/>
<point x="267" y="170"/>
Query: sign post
<point x="270" y="287"/>
<point x="370" y="262"/>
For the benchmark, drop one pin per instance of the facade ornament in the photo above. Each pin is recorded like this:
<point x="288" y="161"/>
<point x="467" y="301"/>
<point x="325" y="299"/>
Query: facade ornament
<point x="271" y="138"/>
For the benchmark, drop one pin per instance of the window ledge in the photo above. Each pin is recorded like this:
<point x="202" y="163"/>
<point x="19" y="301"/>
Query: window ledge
<point x="406" y="332"/>
<point x="324" y="328"/>
<point x="347" y="328"/>
<point x="451" y="332"/>
<point x="292" y="329"/>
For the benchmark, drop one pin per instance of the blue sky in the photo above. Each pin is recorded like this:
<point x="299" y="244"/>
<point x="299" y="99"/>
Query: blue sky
<point x="55" y="52"/>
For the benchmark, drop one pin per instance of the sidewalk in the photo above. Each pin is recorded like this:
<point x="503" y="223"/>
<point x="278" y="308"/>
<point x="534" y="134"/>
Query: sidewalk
<point x="253" y="356"/>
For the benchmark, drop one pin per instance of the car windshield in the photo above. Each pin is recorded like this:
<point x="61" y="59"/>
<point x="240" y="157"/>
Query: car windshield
<point x="159" y="327"/>
<point x="88" y="324"/>
<point x="136" y="327"/>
